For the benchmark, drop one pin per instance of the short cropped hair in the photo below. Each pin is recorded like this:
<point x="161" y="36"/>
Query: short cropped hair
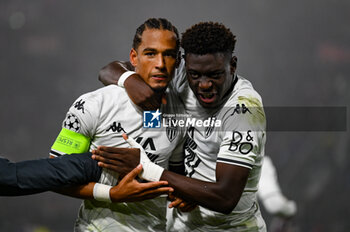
<point x="155" y="23"/>
<point x="207" y="38"/>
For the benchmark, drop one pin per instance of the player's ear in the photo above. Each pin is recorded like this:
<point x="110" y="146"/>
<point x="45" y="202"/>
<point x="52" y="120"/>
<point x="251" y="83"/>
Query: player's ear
<point x="233" y="64"/>
<point x="133" y="57"/>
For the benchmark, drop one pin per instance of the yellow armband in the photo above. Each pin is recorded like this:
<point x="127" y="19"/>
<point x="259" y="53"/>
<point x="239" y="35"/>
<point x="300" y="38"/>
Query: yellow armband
<point x="69" y="142"/>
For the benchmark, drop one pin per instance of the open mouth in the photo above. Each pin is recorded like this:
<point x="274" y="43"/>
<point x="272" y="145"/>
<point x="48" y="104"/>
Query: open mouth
<point x="207" y="97"/>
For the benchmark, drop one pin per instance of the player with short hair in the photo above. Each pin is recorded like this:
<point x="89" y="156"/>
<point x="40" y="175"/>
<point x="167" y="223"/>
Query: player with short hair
<point x="223" y="163"/>
<point x="105" y="114"/>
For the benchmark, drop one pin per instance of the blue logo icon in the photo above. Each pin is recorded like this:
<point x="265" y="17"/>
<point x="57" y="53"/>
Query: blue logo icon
<point x="151" y="119"/>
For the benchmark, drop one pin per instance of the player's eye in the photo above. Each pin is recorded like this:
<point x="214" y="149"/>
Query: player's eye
<point x="194" y="75"/>
<point x="216" y="75"/>
<point x="170" y="54"/>
<point x="150" y="54"/>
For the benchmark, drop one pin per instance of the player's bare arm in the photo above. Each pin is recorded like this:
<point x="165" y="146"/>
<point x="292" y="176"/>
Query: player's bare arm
<point x="118" y="164"/>
<point x="127" y="190"/>
<point x="221" y="196"/>
<point x="110" y="73"/>
<point x="139" y="92"/>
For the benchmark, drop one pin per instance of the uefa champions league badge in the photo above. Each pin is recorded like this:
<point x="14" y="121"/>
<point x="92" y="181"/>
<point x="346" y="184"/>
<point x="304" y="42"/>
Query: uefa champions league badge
<point x="151" y="119"/>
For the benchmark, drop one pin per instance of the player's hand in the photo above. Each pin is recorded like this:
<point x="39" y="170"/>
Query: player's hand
<point x="179" y="203"/>
<point x="139" y="92"/>
<point x="142" y="94"/>
<point x="129" y="189"/>
<point x="151" y="171"/>
<point x="120" y="160"/>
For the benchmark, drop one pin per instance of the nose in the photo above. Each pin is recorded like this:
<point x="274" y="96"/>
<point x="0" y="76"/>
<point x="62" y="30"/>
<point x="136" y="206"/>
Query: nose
<point x="160" y="62"/>
<point x="205" y="83"/>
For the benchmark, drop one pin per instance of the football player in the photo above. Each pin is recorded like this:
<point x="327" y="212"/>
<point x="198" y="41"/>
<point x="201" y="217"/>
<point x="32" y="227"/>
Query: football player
<point x="223" y="160"/>
<point x="101" y="117"/>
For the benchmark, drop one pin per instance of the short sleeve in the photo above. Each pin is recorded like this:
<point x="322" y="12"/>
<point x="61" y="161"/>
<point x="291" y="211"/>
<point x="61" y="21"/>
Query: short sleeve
<point x="243" y="134"/>
<point x="78" y="127"/>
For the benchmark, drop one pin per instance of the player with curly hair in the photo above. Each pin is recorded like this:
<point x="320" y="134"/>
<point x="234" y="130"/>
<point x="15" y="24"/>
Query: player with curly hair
<point x="205" y="38"/>
<point x="223" y="161"/>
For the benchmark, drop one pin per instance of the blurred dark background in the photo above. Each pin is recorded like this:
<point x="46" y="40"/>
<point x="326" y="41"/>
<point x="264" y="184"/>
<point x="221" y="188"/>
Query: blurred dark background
<point x="296" y="53"/>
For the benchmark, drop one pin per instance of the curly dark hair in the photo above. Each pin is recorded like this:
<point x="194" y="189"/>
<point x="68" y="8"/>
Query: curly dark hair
<point x="155" y="23"/>
<point x="208" y="37"/>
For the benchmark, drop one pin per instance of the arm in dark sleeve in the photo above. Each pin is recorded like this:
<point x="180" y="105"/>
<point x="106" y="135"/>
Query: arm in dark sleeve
<point x="33" y="176"/>
<point x="8" y="178"/>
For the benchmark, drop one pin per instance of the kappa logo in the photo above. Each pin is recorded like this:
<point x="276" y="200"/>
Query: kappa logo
<point x="79" y="105"/>
<point x="241" y="109"/>
<point x="152" y="119"/>
<point x="114" y="127"/>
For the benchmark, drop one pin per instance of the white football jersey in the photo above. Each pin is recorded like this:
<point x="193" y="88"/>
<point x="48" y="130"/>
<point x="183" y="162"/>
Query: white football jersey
<point x="239" y="139"/>
<point x="103" y="115"/>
